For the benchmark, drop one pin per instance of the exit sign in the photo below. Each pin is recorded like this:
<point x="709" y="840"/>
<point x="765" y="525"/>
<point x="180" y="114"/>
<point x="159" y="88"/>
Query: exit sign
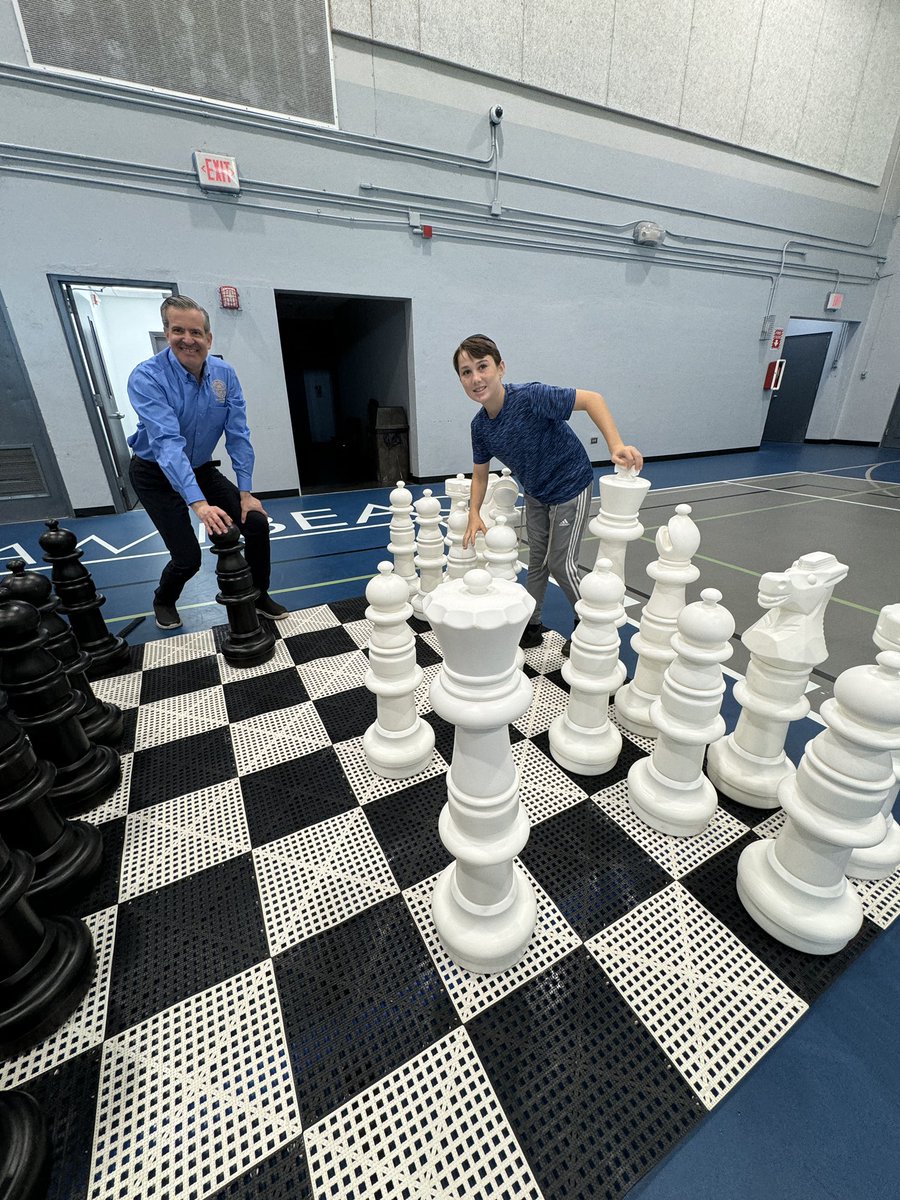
<point x="216" y="172"/>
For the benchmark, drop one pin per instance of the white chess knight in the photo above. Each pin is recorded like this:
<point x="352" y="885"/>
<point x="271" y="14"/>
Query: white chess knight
<point x="883" y="859"/>
<point x="484" y="907"/>
<point x="676" y="545"/>
<point x="398" y="743"/>
<point x="795" y="886"/>
<point x="402" y="545"/>
<point x="749" y="764"/>
<point x="617" y="524"/>
<point x="583" y="739"/>
<point x="430" y="557"/>
<point x="668" y="790"/>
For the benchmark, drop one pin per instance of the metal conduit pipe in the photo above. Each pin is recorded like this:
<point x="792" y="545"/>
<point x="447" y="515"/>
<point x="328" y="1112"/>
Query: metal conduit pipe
<point x="124" y="94"/>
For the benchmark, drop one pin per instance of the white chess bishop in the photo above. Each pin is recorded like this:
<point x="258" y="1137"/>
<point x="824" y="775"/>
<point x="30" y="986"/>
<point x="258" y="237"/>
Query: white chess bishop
<point x="484" y="906"/>
<point x="398" y="743"/>
<point x="749" y="764"/>
<point x="617" y="524"/>
<point x="676" y="545"/>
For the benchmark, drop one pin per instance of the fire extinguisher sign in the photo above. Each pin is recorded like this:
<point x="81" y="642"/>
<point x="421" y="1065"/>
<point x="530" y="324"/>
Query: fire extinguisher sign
<point x="776" y="339"/>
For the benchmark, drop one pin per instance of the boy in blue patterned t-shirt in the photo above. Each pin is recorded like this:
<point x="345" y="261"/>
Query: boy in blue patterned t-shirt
<point x="525" y="425"/>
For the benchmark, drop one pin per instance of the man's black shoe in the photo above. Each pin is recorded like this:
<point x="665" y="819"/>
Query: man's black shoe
<point x="567" y="646"/>
<point x="166" y="616"/>
<point x="532" y="635"/>
<point x="267" y="607"/>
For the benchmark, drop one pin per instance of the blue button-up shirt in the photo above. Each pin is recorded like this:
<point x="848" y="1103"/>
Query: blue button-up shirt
<point x="181" y="420"/>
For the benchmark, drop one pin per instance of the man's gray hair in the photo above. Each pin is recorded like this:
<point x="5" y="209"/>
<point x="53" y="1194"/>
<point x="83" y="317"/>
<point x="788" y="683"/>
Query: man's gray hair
<point x="182" y="304"/>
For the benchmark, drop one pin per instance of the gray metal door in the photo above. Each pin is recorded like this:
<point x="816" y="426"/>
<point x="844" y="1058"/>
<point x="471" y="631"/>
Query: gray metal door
<point x="791" y="406"/>
<point x="31" y="486"/>
<point x="891" y="436"/>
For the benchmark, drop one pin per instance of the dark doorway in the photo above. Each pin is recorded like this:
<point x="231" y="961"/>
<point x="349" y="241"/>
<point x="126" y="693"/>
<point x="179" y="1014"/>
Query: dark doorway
<point x="344" y="358"/>
<point x="791" y="406"/>
<point x="891" y="437"/>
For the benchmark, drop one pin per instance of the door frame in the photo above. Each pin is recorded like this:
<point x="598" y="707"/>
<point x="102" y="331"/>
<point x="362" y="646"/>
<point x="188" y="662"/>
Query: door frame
<point x="57" y="290"/>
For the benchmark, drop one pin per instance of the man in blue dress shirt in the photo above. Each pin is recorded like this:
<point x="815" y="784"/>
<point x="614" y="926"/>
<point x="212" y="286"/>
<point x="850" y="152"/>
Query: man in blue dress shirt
<point x="185" y="401"/>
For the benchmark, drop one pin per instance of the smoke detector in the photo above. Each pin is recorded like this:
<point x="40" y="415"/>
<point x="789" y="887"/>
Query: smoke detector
<point x="648" y="233"/>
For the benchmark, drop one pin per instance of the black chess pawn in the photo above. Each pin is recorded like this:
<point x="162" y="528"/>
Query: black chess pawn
<point x="102" y="722"/>
<point x="24" y="1148"/>
<point x="249" y="641"/>
<point x="81" y="602"/>
<point x="66" y="854"/>
<point x="46" y="966"/>
<point x="44" y="706"/>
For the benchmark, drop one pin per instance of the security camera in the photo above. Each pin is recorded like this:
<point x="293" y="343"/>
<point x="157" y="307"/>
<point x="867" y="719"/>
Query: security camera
<point x="496" y="114"/>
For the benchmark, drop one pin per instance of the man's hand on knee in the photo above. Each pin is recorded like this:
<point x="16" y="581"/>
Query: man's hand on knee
<point x="249" y="504"/>
<point x="215" y="519"/>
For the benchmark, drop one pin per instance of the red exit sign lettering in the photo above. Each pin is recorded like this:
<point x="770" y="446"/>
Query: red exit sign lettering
<point x="216" y="172"/>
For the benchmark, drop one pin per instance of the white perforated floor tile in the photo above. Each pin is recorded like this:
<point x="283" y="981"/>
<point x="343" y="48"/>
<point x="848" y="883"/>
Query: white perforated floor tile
<point x="181" y="648"/>
<point x="180" y="716"/>
<point x="548" y="702"/>
<point x="124" y="690"/>
<point x="175" y="838"/>
<point x="712" y="1005"/>
<point x="423" y="691"/>
<point x="548" y="656"/>
<point x="553" y="938"/>
<point x="431" y="639"/>
<point x="85" y="1026"/>
<point x="359" y="631"/>
<point x="277" y="737"/>
<point x="880" y="898"/>
<point x="544" y="788"/>
<point x="368" y="786"/>
<point x="678" y="855"/>
<point x="771" y="826"/>
<point x="196" y="1095"/>
<point x="432" y="1130"/>
<point x="117" y="804"/>
<point x="643" y="743"/>
<point x="319" y="876"/>
<point x="307" y="620"/>
<point x="338" y="673"/>
<point x="281" y="660"/>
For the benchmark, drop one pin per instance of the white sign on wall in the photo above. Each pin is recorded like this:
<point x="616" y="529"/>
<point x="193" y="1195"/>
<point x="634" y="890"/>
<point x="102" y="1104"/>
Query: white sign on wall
<point x="216" y="172"/>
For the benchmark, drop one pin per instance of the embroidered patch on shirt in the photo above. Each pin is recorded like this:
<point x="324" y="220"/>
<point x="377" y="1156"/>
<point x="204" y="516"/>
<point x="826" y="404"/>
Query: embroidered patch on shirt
<point x="220" y="389"/>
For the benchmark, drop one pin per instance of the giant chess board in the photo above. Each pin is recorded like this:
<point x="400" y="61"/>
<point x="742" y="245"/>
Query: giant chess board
<point x="273" y="1014"/>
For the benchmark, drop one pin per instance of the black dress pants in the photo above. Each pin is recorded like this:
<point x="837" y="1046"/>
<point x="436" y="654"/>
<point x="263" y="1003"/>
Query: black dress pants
<point x="175" y="522"/>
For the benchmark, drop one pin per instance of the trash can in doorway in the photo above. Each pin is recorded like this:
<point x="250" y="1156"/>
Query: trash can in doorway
<point x="392" y="444"/>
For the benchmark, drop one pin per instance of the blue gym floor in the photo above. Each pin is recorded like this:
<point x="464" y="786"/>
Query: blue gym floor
<point x="817" y="1118"/>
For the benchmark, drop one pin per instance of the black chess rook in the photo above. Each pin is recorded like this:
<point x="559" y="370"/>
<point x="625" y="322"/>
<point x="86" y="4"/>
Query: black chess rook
<point x="46" y="966"/>
<point x="44" y="706"/>
<point x="81" y="602"/>
<point x="249" y="641"/>
<point x="102" y="722"/>
<point x="24" y="1147"/>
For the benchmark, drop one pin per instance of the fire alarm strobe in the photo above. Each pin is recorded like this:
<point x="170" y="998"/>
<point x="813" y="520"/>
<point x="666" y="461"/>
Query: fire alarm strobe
<point x="834" y="301"/>
<point x="229" y="298"/>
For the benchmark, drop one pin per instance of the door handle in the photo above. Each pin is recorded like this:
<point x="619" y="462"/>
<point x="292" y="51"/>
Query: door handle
<point x="116" y="416"/>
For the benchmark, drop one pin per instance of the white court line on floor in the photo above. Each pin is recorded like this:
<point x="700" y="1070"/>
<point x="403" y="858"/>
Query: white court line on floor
<point x="806" y="496"/>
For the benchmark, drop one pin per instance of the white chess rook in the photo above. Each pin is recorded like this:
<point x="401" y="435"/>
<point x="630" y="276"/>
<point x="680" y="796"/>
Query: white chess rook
<point x="668" y="790"/>
<point x="877" y="862"/>
<point x="483" y="905"/>
<point x="402" y="545"/>
<point x="617" y="524"/>
<point x="749" y="764"/>
<point x="398" y="743"/>
<point x="501" y="550"/>
<point x="676" y="544"/>
<point x="430" y="557"/>
<point x="795" y="885"/>
<point x="583" y="739"/>
<point x="459" y="559"/>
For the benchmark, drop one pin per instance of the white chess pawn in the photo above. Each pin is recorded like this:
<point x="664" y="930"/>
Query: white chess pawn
<point x="459" y="558"/>
<point x="398" y="743"/>
<point x="430" y="557"/>
<point x="402" y="545"/>
<point x="483" y="905"/>
<point x="617" y="524"/>
<point x="676" y="544"/>
<point x="583" y="739"/>
<point x="668" y="790"/>
<point x="501" y="550"/>
<point x="877" y="862"/>
<point x="794" y="886"/>
<point x="749" y="764"/>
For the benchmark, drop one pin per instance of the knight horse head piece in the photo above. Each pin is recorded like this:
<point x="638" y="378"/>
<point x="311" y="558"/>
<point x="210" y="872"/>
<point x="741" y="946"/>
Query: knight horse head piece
<point x="792" y="630"/>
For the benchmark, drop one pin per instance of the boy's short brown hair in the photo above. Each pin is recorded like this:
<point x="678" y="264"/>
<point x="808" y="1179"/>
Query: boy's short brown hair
<point x="479" y="345"/>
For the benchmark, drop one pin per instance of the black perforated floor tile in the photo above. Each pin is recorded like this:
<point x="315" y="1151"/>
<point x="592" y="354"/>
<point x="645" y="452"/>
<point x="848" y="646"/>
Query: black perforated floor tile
<point x="282" y="1176"/>
<point x="444" y="734"/>
<point x="406" y="826"/>
<point x="179" y="767"/>
<point x="104" y="889"/>
<point x="593" y="1099"/>
<point x="295" y="794"/>
<point x="352" y="609"/>
<point x="347" y="715"/>
<point x="263" y="693"/>
<point x="426" y="656"/>
<point x="751" y="817"/>
<point x="129" y="726"/>
<point x="322" y="643"/>
<point x="183" y="938"/>
<point x="68" y="1097"/>
<point x="358" y="1000"/>
<point x="713" y="883"/>
<point x="176" y="679"/>
<point x="591" y="784"/>
<point x="590" y="868"/>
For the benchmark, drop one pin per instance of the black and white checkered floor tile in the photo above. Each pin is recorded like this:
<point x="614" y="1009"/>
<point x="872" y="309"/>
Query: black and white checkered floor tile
<point x="273" y="1013"/>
